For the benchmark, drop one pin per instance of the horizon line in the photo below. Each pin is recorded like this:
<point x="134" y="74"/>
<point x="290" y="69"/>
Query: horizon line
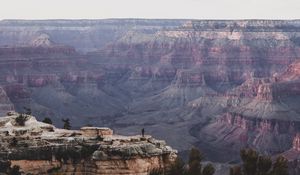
<point x="126" y="18"/>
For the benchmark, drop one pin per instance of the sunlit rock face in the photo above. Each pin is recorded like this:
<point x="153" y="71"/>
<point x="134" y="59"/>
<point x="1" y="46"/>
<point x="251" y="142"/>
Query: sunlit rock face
<point x="40" y="148"/>
<point x="168" y="76"/>
<point x="265" y="118"/>
<point x="296" y="143"/>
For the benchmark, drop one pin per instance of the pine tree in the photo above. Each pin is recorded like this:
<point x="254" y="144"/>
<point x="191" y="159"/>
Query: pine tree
<point x="255" y="164"/>
<point x="249" y="158"/>
<point x="264" y="164"/>
<point x="208" y="170"/>
<point x="177" y="168"/>
<point x="195" y="158"/>
<point x="280" y="166"/>
<point x="67" y="124"/>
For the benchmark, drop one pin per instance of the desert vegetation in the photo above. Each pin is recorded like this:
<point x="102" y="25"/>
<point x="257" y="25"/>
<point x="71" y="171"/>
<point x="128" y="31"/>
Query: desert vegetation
<point x="193" y="167"/>
<point x="252" y="163"/>
<point x="21" y="119"/>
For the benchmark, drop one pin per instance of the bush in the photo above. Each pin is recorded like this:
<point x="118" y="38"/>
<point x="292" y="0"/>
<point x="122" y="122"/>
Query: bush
<point x="86" y="151"/>
<point x="15" y="170"/>
<point x="13" y="142"/>
<point x="47" y="120"/>
<point x="53" y="170"/>
<point x="280" y="166"/>
<point x="21" y="119"/>
<point x="74" y="154"/>
<point x="62" y="155"/>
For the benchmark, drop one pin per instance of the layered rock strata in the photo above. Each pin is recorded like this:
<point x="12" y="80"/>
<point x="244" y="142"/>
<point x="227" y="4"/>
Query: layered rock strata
<point x="171" y="76"/>
<point x="40" y="148"/>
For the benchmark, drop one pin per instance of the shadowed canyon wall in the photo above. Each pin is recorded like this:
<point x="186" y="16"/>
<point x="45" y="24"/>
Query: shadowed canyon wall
<point x="169" y="76"/>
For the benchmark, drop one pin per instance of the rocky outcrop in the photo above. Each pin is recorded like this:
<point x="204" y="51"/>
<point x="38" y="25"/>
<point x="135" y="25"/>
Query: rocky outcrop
<point x="40" y="148"/>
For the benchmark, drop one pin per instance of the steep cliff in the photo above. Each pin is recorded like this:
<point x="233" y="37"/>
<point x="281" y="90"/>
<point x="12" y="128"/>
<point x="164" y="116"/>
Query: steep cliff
<point x="40" y="148"/>
<point x="265" y="116"/>
<point x="171" y="76"/>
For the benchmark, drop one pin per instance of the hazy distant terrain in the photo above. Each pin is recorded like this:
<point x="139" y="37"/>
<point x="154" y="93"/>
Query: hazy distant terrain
<point x="218" y="85"/>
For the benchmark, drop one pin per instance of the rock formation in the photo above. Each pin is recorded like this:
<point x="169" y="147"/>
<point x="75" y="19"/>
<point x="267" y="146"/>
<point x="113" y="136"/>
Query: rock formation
<point x="40" y="148"/>
<point x="218" y="83"/>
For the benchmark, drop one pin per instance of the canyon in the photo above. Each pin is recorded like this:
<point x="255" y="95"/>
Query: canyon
<point x="217" y="85"/>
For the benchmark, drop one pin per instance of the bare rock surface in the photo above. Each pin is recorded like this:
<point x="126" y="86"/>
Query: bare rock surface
<point x="41" y="148"/>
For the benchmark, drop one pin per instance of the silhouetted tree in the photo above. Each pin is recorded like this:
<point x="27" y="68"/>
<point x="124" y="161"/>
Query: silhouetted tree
<point x="47" y="120"/>
<point x="255" y="164"/>
<point x="67" y="124"/>
<point x="236" y="170"/>
<point x="280" y="166"/>
<point x="143" y="132"/>
<point x="21" y="119"/>
<point x="194" y="166"/>
<point x="208" y="170"/>
<point x="264" y="165"/>
<point x="195" y="158"/>
<point x="177" y="168"/>
<point x="249" y="158"/>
